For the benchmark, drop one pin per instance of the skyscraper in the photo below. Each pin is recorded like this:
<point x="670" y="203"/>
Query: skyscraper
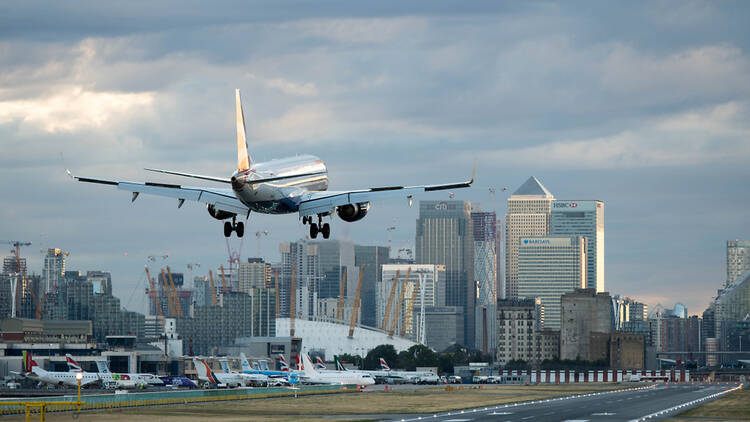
<point x="549" y="267"/>
<point x="445" y="237"/>
<point x="54" y="268"/>
<point x="528" y="215"/>
<point x="372" y="258"/>
<point x="253" y="273"/>
<point x="738" y="259"/>
<point x="583" y="218"/>
<point x="485" y="277"/>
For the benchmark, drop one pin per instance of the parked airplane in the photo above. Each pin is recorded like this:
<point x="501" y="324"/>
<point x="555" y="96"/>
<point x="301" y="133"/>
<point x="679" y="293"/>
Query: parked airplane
<point x="426" y="377"/>
<point x="178" y="382"/>
<point x="109" y="380"/>
<point x="377" y="375"/>
<point x="250" y="379"/>
<point x="289" y="185"/>
<point x="310" y="375"/>
<point x="206" y="375"/>
<point x="257" y="369"/>
<point x="33" y="371"/>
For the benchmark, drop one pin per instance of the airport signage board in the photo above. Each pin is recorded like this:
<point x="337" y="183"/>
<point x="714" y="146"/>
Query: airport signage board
<point x="277" y="348"/>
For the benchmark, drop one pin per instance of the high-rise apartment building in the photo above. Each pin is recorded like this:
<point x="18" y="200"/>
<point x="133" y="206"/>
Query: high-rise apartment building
<point x="549" y="267"/>
<point x="372" y="258"/>
<point x="445" y="237"/>
<point x="254" y="273"/>
<point x="528" y="215"/>
<point x="54" y="268"/>
<point x="518" y="336"/>
<point x="583" y="218"/>
<point x="738" y="259"/>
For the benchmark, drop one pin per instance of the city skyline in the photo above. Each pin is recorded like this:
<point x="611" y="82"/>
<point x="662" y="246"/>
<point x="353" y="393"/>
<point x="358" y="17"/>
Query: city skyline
<point x="643" y="108"/>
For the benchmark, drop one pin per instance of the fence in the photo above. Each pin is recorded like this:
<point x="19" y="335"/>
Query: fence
<point x="565" y="376"/>
<point x="117" y="401"/>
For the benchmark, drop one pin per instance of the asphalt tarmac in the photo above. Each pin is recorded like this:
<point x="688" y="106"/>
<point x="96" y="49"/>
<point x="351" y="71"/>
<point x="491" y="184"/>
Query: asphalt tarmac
<point x="659" y="402"/>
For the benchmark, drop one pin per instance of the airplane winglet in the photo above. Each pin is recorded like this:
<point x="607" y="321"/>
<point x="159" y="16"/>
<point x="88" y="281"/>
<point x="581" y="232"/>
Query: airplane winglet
<point x="473" y="173"/>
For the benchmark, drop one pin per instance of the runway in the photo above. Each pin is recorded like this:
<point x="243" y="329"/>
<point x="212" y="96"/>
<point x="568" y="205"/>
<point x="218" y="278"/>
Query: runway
<point x="658" y="402"/>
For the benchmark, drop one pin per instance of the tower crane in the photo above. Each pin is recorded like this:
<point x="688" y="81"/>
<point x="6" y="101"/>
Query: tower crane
<point x="388" y="305"/>
<point x="153" y="293"/>
<point x="398" y="304"/>
<point x="178" y="305"/>
<point x="170" y="302"/>
<point x="16" y="251"/>
<point x="355" y="309"/>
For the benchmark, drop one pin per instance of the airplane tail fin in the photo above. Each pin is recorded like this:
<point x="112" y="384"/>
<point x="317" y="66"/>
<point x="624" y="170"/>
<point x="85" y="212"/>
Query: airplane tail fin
<point x="307" y="365"/>
<point x="243" y="158"/>
<point x="101" y="365"/>
<point x="244" y="364"/>
<point x="203" y="370"/>
<point x="28" y="362"/>
<point x="384" y="365"/>
<point x="339" y="366"/>
<point x="225" y="366"/>
<point x="72" y="364"/>
<point x="283" y="363"/>
<point x="319" y="364"/>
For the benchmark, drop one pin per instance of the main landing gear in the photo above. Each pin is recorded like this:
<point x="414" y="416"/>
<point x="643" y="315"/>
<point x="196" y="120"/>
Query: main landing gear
<point x="234" y="226"/>
<point x="324" y="229"/>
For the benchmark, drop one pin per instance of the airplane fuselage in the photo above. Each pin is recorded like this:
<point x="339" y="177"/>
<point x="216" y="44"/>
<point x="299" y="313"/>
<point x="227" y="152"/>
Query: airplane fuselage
<point x="281" y="196"/>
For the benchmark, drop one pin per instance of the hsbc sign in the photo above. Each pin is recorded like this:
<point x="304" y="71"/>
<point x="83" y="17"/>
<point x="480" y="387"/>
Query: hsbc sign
<point x="574" y="205"/>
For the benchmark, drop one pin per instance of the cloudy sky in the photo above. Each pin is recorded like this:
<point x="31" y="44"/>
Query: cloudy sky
<point x="646" y="108"/>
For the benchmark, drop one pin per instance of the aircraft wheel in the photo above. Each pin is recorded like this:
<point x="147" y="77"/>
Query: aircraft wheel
<point x="240" y="229"/>
<point x="227" y="229"/>
<point x="313" y="230"/>
<point x="326" y="230"/>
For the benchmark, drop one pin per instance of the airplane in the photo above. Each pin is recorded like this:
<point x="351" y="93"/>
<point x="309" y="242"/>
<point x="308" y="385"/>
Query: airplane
<point x="208" y="376"/>
<point x="377" y="375"/>
<point x="426" y="377"/>
<point x="256" y="369"/>
<point x="141" y="380"/>
<point x="288" y="185"/>
<point x="250" y="379"/>
<point x="109" y="380"/>
<point x="178" y="381"/>
<point x="33" y="371"/>
<point x="309" y="374"/>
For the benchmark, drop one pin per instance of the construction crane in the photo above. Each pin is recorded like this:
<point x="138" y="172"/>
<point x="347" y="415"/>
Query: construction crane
<point x="355" y="309"/>
<point x="388" y="306"/>
<point x="212" y="286"/>
<point x="342" y="293"/>
<point x="390" y="235"/>
<point x="292" y="305"/>
<point x="16" y="251"/>
<point x="170" y="302"/>
<point x="153" y="293"/>
<point x="398" y="304"/>
<point x="410" y="309"/>
<point x="223" y="280"/>
<point x="178" y="305"/>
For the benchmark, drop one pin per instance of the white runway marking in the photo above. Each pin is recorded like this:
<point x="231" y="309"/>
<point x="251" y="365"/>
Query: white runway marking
<point x="501" y="413"/>
<point x="603" y="414"/>
<point x="457" y="420"/>
<point x="527" y="417"/>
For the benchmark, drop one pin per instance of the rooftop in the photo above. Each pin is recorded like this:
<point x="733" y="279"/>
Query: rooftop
<point x="533" y="187"/>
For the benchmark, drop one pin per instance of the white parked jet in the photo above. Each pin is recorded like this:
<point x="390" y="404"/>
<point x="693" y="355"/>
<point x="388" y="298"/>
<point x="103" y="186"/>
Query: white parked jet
<point x="206" y="375"/>
<point x="288" y="185"/>
<point x="116" y="380"/>
<point x="249" y="379"/>
<point x="309" y="374"/>
<point x="68" y="379"/>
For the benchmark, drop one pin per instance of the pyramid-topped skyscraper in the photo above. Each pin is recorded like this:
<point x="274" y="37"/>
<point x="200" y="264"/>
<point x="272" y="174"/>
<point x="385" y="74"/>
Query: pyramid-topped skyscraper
<point x="528" y="215"/>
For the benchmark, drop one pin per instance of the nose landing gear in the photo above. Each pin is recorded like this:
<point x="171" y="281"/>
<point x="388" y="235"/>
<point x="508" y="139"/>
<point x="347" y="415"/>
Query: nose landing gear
<point x="234" y="226"/>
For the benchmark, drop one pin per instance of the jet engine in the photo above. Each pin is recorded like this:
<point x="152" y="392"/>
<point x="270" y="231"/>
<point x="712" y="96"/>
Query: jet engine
<point x="219" y="214"/>
<point x="353" y="212"/>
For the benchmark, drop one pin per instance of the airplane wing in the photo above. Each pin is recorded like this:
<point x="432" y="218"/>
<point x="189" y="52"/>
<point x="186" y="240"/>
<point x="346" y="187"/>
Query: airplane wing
<point x="220" y="199"/>
<point x="313" y="203"/>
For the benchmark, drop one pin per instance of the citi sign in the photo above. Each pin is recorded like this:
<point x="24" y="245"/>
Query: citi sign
<point x="564" y="205"/>
<point x="442" y="206"/>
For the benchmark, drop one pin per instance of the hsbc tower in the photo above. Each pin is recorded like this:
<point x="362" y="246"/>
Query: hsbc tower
<point x="583" y="218"/>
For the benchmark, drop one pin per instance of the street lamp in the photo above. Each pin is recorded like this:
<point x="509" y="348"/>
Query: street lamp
<point x="79" y="377"/>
